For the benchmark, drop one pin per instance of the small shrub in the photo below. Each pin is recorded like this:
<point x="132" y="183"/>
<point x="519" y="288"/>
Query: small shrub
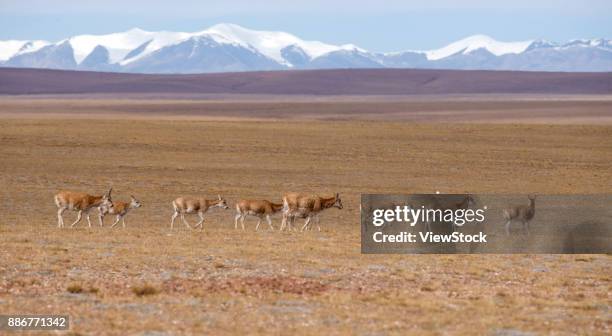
<point x="501" y="294"/>
<point x="144" y="290"/>
<point x="75" y="289"/>
<point x="78" y="289"/>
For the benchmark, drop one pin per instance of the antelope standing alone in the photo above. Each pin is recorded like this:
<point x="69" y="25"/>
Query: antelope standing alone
<point x="120" y="209"/>
<point x="309" y="207"/>
<point x="257" y="208"/>
<point x="523" y="213"/>
<point x="186" y="205"/>
<point x="81" y="202"/>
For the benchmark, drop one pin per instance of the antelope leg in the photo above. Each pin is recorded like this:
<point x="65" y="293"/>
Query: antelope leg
<point x="78" y="218"/>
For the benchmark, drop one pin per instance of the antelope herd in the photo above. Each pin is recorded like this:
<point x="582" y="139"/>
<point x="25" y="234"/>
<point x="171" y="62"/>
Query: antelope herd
<point x="293" y="205"/>
<point x="306" y="206"/>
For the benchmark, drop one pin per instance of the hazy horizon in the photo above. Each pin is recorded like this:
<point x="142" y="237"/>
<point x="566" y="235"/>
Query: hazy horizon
<point x="392" y="26"/>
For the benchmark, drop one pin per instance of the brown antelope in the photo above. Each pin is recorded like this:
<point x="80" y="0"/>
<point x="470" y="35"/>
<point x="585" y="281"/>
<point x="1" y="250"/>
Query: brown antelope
<point x="81" y="202"/>
<point x="523" y="213"/>
<point x="304" y="206"/>
<point x="256" y="208"/>
<point x="185" y="205"/>
<point x="120" y="209"/>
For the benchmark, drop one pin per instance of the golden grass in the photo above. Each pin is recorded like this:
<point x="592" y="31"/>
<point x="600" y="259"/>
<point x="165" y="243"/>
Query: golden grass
<point x="224" y="281"/>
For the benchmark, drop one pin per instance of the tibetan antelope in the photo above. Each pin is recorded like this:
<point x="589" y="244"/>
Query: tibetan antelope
<point x="304" y="206"/>
<point x="256" y="208"/>
<point x="120" y="209"/>
<point x="436" y="204"/>
<point x="81" y="202"/>
<point x="523" y="213"/>
<point x="465" y="203"/>
<point x="186" y="205"/>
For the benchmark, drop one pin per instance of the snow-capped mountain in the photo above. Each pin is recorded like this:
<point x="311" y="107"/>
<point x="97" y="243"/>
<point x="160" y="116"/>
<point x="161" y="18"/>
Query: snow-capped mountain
<point x="229" y="47"/>
<point x="271" y="44"/>
<point x="476" y="42"/>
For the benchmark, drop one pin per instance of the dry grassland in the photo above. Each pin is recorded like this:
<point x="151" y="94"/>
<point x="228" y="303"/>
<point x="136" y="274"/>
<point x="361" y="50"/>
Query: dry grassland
<point x="531" y="109"/>
<point x="147" y="280"/>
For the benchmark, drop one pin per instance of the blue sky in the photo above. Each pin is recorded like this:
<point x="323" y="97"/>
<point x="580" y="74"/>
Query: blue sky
<point x="374" y="25"/>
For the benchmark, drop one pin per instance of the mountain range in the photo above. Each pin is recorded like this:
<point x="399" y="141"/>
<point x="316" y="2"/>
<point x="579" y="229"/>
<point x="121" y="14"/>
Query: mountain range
<point x="232" y="48"/>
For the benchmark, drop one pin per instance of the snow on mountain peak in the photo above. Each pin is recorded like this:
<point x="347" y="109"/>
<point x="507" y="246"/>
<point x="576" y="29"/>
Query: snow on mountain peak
<point x="270" y="43"/>
<point x="476" y="42"/>
<point x="283" y="50"/>
<point x="11" y="48"/>
<point x="120" y="44"/>
<point x="600" y="42"/>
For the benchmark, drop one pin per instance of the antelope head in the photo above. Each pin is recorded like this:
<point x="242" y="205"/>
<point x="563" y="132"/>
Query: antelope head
<point x="337" y="202"/>
<point x="531" y="199"/>
<point x="469" y="200"/>
<point x="107" y="199"/>
<point x="134" y="203"/>
<point x="221" y="203"/>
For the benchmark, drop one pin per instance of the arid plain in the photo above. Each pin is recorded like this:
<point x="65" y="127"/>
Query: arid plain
<point x="149" y="280"/>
